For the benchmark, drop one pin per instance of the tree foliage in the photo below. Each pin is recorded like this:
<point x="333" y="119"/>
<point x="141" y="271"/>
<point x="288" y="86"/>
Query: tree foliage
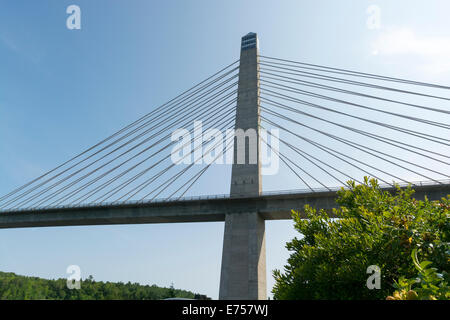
<point x="372" y="227"/>
<point x="428" y="285"/>
<point x="16" y="287"/>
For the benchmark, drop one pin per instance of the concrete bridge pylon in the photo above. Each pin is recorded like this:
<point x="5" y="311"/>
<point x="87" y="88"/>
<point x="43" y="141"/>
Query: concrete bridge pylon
<point x="243" y="271"/>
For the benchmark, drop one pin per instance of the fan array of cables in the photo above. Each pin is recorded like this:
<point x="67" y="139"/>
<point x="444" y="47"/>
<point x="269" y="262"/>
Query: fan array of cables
<point x="134" y="163"/>
<point x="338" y="125"/>
<point x="335" y="125"/>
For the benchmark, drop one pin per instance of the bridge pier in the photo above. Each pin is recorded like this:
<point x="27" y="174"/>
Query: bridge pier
<point x="243" y="274"/>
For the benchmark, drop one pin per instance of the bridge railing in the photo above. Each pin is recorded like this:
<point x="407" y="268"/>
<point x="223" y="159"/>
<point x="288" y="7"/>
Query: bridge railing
<point x="383" y="186"/>
<point x="215" y="196"/>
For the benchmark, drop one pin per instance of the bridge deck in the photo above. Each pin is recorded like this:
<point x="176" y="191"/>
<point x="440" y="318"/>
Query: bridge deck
<point x="270" y="207"/>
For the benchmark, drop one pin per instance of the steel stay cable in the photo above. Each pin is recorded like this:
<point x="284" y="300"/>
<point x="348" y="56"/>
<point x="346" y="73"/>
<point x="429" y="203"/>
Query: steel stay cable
<point x="389" y="155"/>
<point x="210" y="108"/>
<point x="312" y="94"/>
<point x="381" y="152"/>
<point x="153" y="178"/>
<point x="187" y="168"/>
<point x="323" y="148"/>
<point x="342" y="182"/>
<point x="98" y="188"/>
<point x="341" y="80"/>
<point x="331" y="88"/>
<point x="392" y="127"/>
<point x="301" y="153"/>
<point x="143" y="185"/>
<point x="98" y="168"/>
<point x="358" y="73"/>
<point x="118" y="188"/>
<point x="111" y="136"/>
<point x="326" y="149"/>
<point x="123" y="153"/>
<point x="342" y="140"/>
<point x="296" y="165"/>
<point x="320" y="146"/>
<point x="92" y="192"/>
<point x="167" y="183"/>
<point x="131" y="140"/>
<point x="345" y="141"/>
<point x="368" y="134"/>
<point x="130" y="180"/>
<point x="197" y="175"/>
<point x="200" y="173"/>
<point x="282" y="159"/>
<point x="147" y="159"/>
<point x="129" y="159"/>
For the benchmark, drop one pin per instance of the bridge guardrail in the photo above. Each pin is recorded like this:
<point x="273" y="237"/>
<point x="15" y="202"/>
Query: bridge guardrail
<point x="210" y="197"/>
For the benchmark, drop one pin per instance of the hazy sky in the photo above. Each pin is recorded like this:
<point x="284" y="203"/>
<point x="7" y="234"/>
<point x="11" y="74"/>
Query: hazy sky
<point x="63" y="90"/>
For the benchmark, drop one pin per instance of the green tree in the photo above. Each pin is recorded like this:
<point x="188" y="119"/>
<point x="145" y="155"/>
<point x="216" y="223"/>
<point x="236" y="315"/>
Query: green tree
<point x="17" y="287"/>
<point x="372" y="227"/>
<point x="171" y="292"/>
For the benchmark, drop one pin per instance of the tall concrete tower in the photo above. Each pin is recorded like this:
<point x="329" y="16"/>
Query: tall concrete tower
<point x="243" y="273"/>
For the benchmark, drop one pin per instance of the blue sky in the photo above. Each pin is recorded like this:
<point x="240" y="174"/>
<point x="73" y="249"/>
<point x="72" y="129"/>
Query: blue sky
<point x="63" y="90"/>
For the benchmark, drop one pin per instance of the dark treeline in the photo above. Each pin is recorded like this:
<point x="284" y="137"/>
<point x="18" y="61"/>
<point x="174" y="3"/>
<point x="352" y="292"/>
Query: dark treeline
<point x="16" y="287"/>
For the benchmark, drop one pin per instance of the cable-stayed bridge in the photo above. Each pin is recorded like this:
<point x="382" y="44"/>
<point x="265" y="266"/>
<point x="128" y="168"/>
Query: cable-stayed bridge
<point x="333" y="125"/>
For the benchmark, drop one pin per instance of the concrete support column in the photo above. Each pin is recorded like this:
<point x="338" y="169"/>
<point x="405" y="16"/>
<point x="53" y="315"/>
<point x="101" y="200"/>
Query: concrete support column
<point x="244" y="258"/>
<point x="243" y="274"/>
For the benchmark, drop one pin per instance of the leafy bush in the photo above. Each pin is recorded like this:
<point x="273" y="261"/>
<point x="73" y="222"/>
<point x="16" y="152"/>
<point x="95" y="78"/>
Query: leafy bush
<point x="429" y="284"/>
<point x="372" y="227"/>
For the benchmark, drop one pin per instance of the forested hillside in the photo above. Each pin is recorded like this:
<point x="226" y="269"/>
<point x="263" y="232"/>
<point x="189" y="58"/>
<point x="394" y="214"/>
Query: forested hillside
<point x="18" y="287"/>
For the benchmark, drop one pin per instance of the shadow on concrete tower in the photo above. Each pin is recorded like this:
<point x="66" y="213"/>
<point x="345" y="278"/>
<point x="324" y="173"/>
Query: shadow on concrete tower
<point x="243" y="272"/>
